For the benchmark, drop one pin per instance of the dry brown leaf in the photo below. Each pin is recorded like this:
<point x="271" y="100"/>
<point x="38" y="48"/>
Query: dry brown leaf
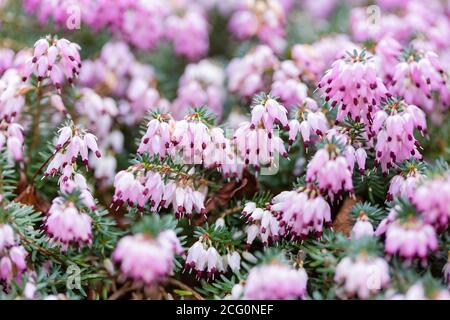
<point x="342" y="222"/>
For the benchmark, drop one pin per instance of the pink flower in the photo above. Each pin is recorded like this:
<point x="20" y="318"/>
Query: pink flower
<point x="147" y="259"/>
<point x="195" y="141"/>
<point x="6" y="59"/>
<point x="362" y="228"/>
<point x="12" y="254"/>
<point x="266" y="112"/>
<point x="287" y="85"/>
<point x="204" y="259"/>
<point x="67" y="224"/>
<point x="320" y="9"/>
<point x="307" y="121"/>
<point x="364" y="28"/>
<point x="262" y="223"/>
<point x="417" y="77"/>
<point x="246" y="75"/>
<point x="301" y="212"/>
<point x="202" y="84"/>
<point x="431" y="199"/>
<point x="264" y="20"/>
<point x="138" y="186"/>
<point x="188" y="32"/>
<point x="389" y="51"/>
<point x="76" y="181"/>
<point x="404" y="185"/>
<point x="157" y="140"/>
<point x="258" y="147"/>
<point x="410" y="239"/>
<point x="332" y="169"/>
<point x="71" y="143"/>
<point x="353" y="85"/>
<point x="362" y="276"/>
<point x="11" y="135"/>
<point x="11" y="100"/>
<point x="56" y="59"/>
<point x="99" y="112"/>
<point x="275" y="282"/>
<point x="394" y="128"/>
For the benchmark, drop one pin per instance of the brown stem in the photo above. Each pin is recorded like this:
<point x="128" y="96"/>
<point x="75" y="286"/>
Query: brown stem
<point x="122" y="291"/>
<point x="42" y="167"/>
<point x="181" y="285"/>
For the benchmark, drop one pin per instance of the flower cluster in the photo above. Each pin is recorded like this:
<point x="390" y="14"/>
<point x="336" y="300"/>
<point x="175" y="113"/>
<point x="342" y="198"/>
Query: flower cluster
<point x="246" y="75"/>
<point x="138" y="186"/>
<point x="12" y="254"/>
<point x="301" y="212"/>
<point x="146" y="259"/>
<point x="362" y="276"/>
<point x="56" y="59"/>
<point x="67" y="224"/>
<point x="307" y="120"/>
<point x="409" y="237"/>
<point x="274" y="281"/>
<point x="202" y="84"/>
<point x="394" y="129"/>
<point x="332" y="169"/>
<point x="11" y="135"/>
<point x="263" y="19"/>
<point x="262" y="223"/>
<point x="404" y="184"/>
<point x="204" y="258"/>
<point x="431" y="200"/>
<point x="71" y="143"/>
<point x="353" y="85"/>
<point x="183" y="23"/>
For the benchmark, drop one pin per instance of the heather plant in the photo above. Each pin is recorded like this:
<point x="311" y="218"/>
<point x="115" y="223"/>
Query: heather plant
<point x="256" y="150"/>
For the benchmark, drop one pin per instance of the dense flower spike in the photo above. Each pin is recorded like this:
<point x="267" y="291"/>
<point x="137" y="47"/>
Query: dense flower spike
<point x="147" y="259"/>
<point x="417" y="77"/>
<point x="196" y="141"/>
<point x="67" y="224"/>
<point x="394" y="129"/>
<point x="353" y="85"/>
<point x="12" y="254"/>
<point x="275" y="282"/>
<point x="258" y="147"/>
<point x="57" y="59"/>
<point x="362" y="276"/>
<point x="301" y="212"/>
